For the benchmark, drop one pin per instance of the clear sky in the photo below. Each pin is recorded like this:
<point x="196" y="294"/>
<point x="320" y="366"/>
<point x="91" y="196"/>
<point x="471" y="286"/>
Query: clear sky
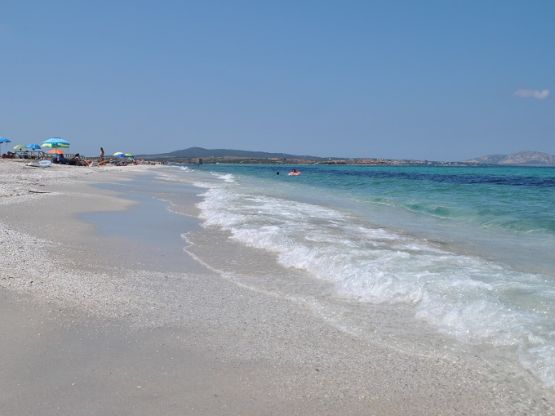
<point x="398" y="79"/>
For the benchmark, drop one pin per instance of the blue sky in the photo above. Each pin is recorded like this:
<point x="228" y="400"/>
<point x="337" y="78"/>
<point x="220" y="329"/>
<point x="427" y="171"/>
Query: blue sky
<point x="399" y="79"/>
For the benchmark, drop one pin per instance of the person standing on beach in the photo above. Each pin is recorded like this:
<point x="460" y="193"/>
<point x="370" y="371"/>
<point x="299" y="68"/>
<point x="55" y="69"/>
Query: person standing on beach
<point x="101" y="158"/>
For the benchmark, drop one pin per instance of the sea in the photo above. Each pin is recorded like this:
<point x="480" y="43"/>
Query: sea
<point x="429" y="260"/>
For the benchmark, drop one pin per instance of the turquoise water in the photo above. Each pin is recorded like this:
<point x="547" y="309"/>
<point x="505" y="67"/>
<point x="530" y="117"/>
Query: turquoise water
<point x="511" y="198"/>
<point x="470" y="250"/>
<point x="465" y="206"/>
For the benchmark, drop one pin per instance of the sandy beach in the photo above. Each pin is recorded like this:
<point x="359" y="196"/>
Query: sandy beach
<point x="104" y="312"/>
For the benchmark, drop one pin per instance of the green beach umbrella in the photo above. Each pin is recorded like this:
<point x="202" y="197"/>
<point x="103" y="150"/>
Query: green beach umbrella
<point x="18" y="147"/>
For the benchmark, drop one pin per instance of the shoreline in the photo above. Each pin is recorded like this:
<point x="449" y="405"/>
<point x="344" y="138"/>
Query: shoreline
<point x="194" y="342"/>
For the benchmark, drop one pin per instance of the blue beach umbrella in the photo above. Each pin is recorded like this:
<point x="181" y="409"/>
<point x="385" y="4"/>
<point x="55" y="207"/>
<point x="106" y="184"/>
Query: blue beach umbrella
<point x="4" y="140"/>
<point x="33" y="147"/>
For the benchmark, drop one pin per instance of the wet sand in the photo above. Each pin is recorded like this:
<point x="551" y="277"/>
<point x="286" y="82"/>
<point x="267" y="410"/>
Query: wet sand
<point x="99" y="318"/>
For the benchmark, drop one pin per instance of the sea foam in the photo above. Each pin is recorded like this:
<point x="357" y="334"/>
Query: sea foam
<point x="472" y="299"/>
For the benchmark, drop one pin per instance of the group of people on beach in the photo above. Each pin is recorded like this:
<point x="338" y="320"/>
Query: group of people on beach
<point x="76" y="160"/>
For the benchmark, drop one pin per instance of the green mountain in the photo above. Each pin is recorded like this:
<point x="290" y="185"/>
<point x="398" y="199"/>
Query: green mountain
<point x="200" y="152"/>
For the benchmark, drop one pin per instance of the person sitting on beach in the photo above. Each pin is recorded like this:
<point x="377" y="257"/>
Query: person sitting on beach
<point x="60" y="159"/>
<point x="74" y="160"/>
<point x="77" y="160"/>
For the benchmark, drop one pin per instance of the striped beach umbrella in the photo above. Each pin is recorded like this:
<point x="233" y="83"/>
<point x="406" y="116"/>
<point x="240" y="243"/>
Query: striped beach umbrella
<point x="55" y="145"/>
<point x="55" y="142"/>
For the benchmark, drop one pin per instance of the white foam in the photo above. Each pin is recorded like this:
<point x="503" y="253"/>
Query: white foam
<point x="226" y="177"/>
<point x="463" y="296"/>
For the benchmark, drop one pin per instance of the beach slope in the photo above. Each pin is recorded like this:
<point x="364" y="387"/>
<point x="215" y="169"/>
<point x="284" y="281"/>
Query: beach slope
<point x="96" y="322"/>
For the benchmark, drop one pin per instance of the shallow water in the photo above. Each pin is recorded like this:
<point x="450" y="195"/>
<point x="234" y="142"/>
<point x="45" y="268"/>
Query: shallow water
<point x="467" y="252"/>
<point x="152" y="231"/>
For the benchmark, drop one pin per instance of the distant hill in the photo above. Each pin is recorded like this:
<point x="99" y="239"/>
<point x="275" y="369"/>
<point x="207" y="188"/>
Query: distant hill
<point x="520" y="158"/>
<point x="200" y="152"/>
<point x="233" y="155"/>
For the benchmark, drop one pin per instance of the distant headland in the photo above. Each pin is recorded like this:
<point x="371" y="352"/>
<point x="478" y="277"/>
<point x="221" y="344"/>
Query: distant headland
<point x="202" y="155"/>
<point x="525" y="158"/>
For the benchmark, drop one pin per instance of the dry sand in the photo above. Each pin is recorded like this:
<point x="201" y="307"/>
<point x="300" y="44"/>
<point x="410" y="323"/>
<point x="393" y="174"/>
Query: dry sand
<point x="93" y="324"/>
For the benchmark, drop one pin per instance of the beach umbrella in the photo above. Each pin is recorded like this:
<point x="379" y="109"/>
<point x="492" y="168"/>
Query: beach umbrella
<point x="33" y="147"/>
<point x="55" y="145"/>
<point x="56" y="152"/>
<point x="118" y="154"/>
<point x="57" y="142"/>
<point x="18" y="147"/>
<point x="130" y="155"/>
<point x="4" y="140"/>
